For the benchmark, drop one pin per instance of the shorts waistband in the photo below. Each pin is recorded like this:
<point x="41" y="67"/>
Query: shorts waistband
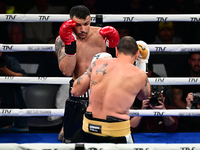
<point x="100" y="128"/>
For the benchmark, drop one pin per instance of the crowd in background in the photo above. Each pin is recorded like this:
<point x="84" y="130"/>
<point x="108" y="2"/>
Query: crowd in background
<point x="150" y="32"/>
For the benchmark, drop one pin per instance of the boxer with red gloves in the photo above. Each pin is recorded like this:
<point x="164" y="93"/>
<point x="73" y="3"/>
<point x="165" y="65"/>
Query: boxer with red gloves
<point x="75" y="47"/>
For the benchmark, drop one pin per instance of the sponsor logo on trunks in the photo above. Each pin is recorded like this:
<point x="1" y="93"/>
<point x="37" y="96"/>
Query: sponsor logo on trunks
<point x="94" y="128"/>
<point x="162" y="19"/>
<point x="40" y="48"/>
<point x="193" y="80"/>
<point x="6" y="47"/>
<point x="6" y="111"/>
<point x="44" y="17"/>
<point x="10" y="17"/>
<point x="9" y="77"/>
<point x="194" y="19"/>
<point x="38" y="112"/>
<point x="158" y="113"/>
<point x="160" y="48"/>
<point x="159" y="79"/>
<point x="187" y="148"/>
<point x="42" y="78"/>
<point x="128" y="19"/>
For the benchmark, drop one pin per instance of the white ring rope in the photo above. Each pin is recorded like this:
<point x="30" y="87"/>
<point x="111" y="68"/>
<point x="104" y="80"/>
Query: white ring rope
<point x="60" y="112"/>
<point x="51" y="47"/>
<point x="35" y="80"/>
<point x="106" y="17"/>
<point x="65" y="80"/>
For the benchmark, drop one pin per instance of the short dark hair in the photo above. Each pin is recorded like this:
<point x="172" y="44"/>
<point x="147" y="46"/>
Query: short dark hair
<point x="127" y="45"/>
<point x="80" y="11"/>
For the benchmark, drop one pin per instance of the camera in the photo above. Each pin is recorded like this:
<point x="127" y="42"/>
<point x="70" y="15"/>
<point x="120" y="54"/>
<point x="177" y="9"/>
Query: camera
<point x="2" y="61"/>
<point x="155" y="98"/>
<point x="196" y="98"/>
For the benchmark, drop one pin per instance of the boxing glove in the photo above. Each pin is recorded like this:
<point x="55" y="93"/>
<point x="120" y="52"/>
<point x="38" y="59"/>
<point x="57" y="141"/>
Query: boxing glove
<point x="110" y="35"/>
<point x="144" y="53"/>
<point x="68" y="37"/>
<point x="101" y="55"/>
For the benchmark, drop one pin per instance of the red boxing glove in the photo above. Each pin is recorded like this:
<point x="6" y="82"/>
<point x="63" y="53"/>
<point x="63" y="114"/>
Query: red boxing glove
<point x="66" y="32"/>
<point x="68" y="37"/>
<point x="111" y="36"/>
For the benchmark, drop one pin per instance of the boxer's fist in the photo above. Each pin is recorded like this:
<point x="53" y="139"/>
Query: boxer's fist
<point x="68" y="37"/>
<point x="144" y="53"/>
<point x="66" y="32"/>
<point x="110" y="35"/>
<point x="101" y="55"/>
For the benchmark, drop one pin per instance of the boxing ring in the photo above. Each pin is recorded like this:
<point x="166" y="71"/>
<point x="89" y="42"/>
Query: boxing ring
<point x="143" y="141"/>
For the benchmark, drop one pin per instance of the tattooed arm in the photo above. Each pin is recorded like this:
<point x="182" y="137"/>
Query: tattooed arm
<point x="66" y="63"/>
<point x="145" y="91"/>
<point x="82" y="84"/>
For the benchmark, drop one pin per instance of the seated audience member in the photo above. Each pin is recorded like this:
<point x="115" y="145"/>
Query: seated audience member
<point x="15" y="33"/>
<point x="152" y="123"/>
<point x="47" y="61"/>
<point x="11" y="95"/>
<point x="166" y="34"/>
<point x="55" y="32"/>
<point x="123" y="31"/>
<point x="190" y="123"/>
<point x="40" y="32"/>
<point x="180" y="92"/>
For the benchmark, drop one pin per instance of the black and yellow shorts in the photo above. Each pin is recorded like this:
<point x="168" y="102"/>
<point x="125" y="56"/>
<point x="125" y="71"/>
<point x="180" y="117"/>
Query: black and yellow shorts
<point x="111" y="130"/>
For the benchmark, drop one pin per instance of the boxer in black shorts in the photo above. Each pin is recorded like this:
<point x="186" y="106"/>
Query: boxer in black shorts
<point x="75" y="47"/>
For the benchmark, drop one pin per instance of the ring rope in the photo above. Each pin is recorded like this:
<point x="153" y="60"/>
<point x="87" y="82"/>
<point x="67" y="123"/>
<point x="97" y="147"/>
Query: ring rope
<point x="51" y="47"/>
<point x="106" y="17"/>
<point x="106" y="146"/>
<point x="60" y="112"/>
<point x="35" y="80"/>
<point x="65" y="80"/>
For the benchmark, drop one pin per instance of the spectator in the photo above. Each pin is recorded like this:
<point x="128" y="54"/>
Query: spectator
<point x="138" y="7"/>
<point x="47" y="64"/>
<point x="55" y="32"/>
<point x="190" y="124"/>
<point x="91" y="5"/>
<point x="123" y="31"/>
<point x="40" y="31"/>
<point x="15" y="33"/>
<point x="154" y="124"/>
<point x="166" y="34"/>
<point x="180" y="92"/>
<point x="150" y="73"/>
<point x="11" y="95"/>
<point x="3" y="25"/>
<point x="186" y="7"/>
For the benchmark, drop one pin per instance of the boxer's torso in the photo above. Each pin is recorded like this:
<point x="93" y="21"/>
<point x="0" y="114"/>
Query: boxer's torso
<point x="86" y="49"/>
